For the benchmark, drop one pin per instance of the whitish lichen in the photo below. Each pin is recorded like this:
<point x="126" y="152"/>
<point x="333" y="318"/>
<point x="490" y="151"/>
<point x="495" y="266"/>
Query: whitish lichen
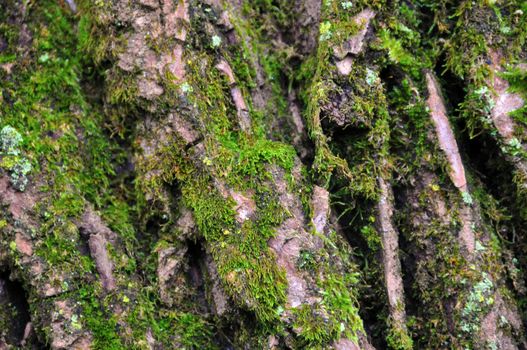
<point x="10" y="139"/>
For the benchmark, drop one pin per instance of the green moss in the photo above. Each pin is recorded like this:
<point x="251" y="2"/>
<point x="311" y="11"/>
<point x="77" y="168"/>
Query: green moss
<point x="340" y="300"/>
<point x="398" y="339"/>
<point x="63" y="139"/>
<point x="243" y="258"/>
<point x="396" y="51"/>
<point x="97" y="318"/>
<point x="241" y="253"/>
<point x="94" y="30"/>
<point x="312" y="330"/>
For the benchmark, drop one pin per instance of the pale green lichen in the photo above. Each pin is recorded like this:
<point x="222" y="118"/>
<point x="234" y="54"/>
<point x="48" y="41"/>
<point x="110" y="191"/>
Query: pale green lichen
<point x="216" y="41"/>
<point x="346" y="5"/>
<point x="10" y="140"/>
<point x="371" y="77"/>
<point x="477" y="301"/>
<point x="19" y="173"/>
<point x="467" y="198"/>
<point x="515" y="146"/>
<point x="186" y="88"/>
<point x="19" y="167"/>
<point x="325" y="31"/>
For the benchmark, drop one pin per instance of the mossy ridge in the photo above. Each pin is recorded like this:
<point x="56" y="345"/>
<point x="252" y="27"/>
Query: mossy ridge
<point x="49" y="128"/>
<point x="357" y="161"/>
<point x="488" y="256"/>
<point x="451" y="272"/>
<point x="66" y="141"/>
<point x="339" y="291"/>
<point x="240" y="160"/>
<point x="468" y="57"/>
<point x="416" y="108"/>
<point x="507" y="38"/>
<point x="504" y="26"/>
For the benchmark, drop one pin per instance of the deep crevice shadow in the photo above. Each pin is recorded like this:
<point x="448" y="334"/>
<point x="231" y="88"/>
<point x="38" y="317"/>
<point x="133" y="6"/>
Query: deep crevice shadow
<point x="15" y="315"/>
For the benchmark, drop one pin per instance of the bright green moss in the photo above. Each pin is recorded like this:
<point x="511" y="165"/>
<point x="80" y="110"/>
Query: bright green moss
<point x="62" y="138"/>
<point x="398" y="339"/>
<point x="96" y="317"/>
<point x="312" y="331"/>
<point x="242" y="255"/>
<point x="337" y="315"/>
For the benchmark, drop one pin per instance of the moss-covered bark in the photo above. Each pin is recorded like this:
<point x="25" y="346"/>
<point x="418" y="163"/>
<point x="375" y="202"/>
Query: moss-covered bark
<point x="262" y="174"/>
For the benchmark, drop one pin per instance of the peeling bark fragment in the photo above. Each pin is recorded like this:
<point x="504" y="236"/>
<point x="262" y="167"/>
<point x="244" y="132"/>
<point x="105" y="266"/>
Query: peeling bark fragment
<point x="290" y="238"/>
<point x="445" y="135"/>
<point x="186" y="224"/>
<point x="498" y="323"/>
<point x="97" y="244"/>
<point x="28" y="332"/>
<point x="161" y="21"/>
<point x="448" y="144"/>
<point x="225" y="68"/>
<point x="72" y="5"/>
<point x="149" y="89"/>
<point x="18" y="203"/>
<point x="99" y="238"/>
<point x="245" y="205"/>
<point x="287" y="248"/>
<point x="320" y="208"/>
<point x="344" y="66"/>
<point x="183" y="128"/>
<point x="354" y="45"/>
<point x="23" y="244"/>
<point x="239" y="102"/>
<point x="91" y="224"/>
<point x="390" y="255"/>
<point x="225" y="22"/>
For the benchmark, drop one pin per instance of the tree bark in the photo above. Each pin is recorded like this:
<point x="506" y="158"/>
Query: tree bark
<point x="182" y="174"/>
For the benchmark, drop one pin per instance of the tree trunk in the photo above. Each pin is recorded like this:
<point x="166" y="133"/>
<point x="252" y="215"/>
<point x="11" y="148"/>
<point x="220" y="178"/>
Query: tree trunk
<point x="271" y="174"/>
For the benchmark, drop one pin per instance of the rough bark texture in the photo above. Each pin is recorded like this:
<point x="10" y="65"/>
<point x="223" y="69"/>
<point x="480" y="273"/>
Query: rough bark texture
<point x="232" y="174"/>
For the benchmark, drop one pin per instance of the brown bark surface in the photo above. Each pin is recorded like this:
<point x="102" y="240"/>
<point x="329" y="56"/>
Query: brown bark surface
<point x="270" y="174"/>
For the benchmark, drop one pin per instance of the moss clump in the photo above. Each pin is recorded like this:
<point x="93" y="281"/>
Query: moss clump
<point x="398" y="339"/>
<point x="335" y="317"/>
<point x="63" y="139"/>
